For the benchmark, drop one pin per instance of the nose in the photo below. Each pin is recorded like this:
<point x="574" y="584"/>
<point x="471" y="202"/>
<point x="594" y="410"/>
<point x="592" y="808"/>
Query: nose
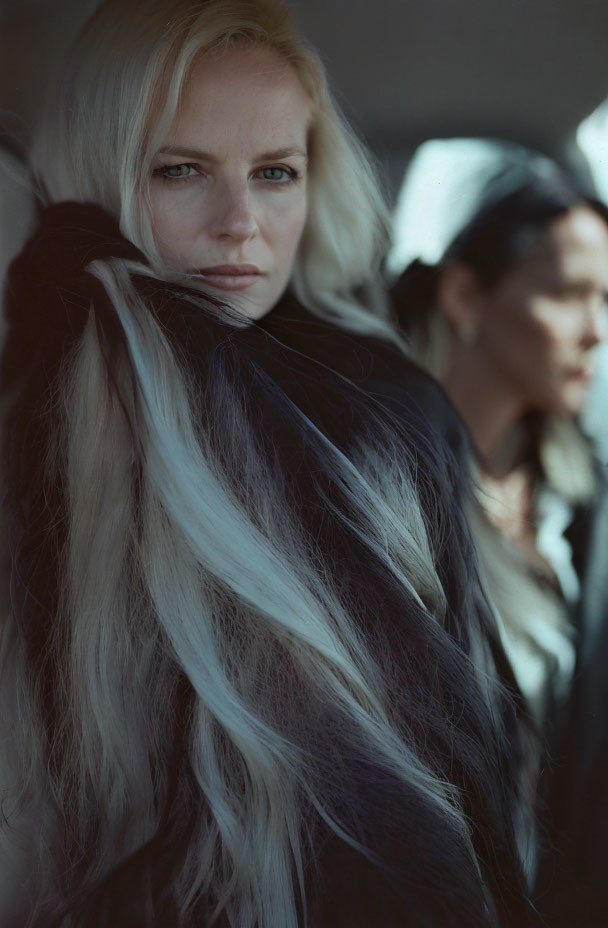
<point x="233" y="214"/>
<point x="596" y="324"/>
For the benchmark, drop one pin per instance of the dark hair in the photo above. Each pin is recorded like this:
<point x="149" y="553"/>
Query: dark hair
<point x="515" y="207"/>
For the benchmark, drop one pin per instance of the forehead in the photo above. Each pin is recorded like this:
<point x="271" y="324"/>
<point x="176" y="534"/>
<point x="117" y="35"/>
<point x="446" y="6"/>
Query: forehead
<point x="243" y="95"/>
<point x="574" y="247"/>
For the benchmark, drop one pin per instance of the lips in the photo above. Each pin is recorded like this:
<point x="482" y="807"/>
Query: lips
<point x="582" y="372"/>
<point x="230" y="276"/>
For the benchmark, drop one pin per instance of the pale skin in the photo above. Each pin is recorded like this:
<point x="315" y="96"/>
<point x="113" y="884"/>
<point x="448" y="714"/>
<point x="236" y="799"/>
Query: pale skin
<point x="534" y="335"/>
<point x="229" y="186"/>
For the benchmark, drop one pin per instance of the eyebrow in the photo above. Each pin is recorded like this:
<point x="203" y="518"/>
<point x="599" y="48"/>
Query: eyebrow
<point x="199" y="155"/>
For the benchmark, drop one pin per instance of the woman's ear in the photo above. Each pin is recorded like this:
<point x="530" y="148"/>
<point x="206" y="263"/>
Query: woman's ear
<point x="460" y="300"/>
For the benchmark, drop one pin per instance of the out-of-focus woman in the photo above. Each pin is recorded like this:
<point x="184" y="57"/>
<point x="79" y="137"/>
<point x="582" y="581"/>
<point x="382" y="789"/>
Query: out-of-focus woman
<point x="507" y="320"/>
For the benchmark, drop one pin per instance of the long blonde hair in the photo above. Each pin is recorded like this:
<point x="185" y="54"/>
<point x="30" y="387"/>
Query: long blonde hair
<point x="202" y="690"/>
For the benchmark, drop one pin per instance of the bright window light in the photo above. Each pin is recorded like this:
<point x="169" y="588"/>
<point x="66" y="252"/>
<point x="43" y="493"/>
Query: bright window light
<point x="437" y="197"/>
<point x="441" y="192"/>
<point x="592" y="139"/>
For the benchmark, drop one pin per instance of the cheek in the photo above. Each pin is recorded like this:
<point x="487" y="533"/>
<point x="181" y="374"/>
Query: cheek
<point x="533" y="342"/>
<point x="524" y="329"/>
<point x="174" y="227"/>
<point x="537" y="348"/>
<point x="558" y="327"/>
<point x="522" y="343"/>
<point x="286" y="225"/>
<point x="508" y="330"/>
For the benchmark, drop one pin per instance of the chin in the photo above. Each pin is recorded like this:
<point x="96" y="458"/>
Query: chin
<point x="256" y="312"/>
<point x="253" y="305"/>
<point x="568" y="405"/>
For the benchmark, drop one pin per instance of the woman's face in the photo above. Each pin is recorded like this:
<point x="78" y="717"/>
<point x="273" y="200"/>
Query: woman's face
<point x="228" y="190"/>
<point x="540" y="323"/>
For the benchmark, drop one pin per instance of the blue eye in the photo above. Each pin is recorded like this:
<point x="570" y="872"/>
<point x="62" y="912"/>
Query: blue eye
<point x="277" y="175"/>
<point x="176" y="171"/>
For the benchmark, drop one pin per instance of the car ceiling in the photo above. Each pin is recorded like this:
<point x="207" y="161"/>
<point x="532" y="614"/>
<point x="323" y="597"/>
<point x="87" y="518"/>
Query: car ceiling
<point x="404" y="70"/>
<point x="409" y="67"/>
<point x="527" y="70"/>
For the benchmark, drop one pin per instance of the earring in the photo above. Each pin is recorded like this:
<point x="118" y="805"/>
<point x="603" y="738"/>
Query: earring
<point x="468" y="333"/>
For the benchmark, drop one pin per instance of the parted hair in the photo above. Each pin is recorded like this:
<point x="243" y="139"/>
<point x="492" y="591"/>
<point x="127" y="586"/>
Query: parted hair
<point x="244" y="623"/>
